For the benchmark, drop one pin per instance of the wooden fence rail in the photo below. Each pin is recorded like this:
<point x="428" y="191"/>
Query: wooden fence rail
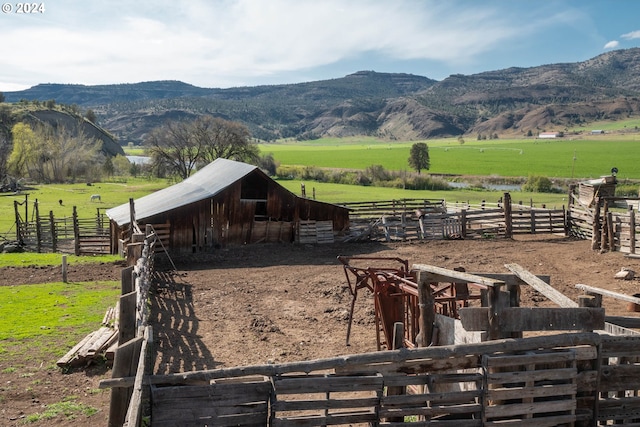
<point x="572" y="378"/>
<point x="402" y="220"/>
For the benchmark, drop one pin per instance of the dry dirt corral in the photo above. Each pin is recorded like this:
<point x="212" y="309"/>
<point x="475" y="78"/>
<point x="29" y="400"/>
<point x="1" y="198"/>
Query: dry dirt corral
<point x="279" y="303"/>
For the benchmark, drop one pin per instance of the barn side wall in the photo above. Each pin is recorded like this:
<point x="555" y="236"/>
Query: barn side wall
<point x="236" y="215"/>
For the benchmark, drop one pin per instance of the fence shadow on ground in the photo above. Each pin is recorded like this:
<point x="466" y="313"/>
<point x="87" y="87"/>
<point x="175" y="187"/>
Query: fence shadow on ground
<point x="179" y="349"/>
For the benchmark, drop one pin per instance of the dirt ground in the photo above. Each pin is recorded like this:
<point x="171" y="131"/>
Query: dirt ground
<point x="276" y="303"/>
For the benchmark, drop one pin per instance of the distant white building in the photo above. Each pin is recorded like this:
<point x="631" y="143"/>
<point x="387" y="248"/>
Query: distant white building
<point x="547" y="135"/>
<point x="597" y="132"/>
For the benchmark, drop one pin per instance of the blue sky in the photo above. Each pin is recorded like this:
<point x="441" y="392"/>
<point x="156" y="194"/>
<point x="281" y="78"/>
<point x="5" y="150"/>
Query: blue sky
<point x="224" y="43"/>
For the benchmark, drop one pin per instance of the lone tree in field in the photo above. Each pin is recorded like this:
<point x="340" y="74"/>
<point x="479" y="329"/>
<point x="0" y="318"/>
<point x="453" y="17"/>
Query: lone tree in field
<point x="419" y="157"/>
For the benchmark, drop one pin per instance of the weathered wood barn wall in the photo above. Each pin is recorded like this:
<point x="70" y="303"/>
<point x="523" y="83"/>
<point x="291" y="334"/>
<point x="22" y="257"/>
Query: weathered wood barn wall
<point x="225" y="203"/>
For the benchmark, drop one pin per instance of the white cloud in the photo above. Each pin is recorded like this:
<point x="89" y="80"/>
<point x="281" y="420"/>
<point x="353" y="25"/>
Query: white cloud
<point x="222" y="42"/>
<point x="612" y="44"/>
<point x="632" y="35"/>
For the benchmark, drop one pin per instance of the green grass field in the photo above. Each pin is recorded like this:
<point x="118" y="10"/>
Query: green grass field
<point x="594" y="157"/>
<point x="79" y="195"/>
<point x="48" y="312"/>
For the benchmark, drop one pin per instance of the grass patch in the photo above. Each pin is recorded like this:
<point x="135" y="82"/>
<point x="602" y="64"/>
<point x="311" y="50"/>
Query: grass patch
<point x="53" y="315"/>
<point x="79" y="195"/>
<point x="68" y="408"/>
<point x="510" y="157"/>
<point x="337" y="193"/>
<point x="27" y="259"/>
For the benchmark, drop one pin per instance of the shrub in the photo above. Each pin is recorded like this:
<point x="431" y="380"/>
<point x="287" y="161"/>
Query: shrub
<point x="627" y="190"/>
<point x="538" y="184"/>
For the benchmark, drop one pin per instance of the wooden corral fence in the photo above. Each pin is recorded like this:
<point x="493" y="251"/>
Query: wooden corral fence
<point x="570" y="378"/>
<point x="423" y="219"/>
<point x="609" y="222"/>
<point x="131" y="357"/>
<point x="566" y="379"/>
<point x="47" y="233"/>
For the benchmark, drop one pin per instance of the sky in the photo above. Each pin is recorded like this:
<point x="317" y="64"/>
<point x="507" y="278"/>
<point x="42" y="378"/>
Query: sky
<point x="225" y="43"/>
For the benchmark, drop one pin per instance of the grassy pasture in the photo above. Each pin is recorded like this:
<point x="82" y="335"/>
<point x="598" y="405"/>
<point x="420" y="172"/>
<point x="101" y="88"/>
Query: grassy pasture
<point x="336" y="193"/>
<point x="79" y="195"/>
<point x="60" y="313"/>
<point x="594" y="157"/>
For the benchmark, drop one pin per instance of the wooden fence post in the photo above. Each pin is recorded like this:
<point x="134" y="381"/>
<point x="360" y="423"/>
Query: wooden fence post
<point x="632" y="231"/>
<point x="532" y="215"/>
<point x="610" y="231"/>
<point x="595" y="239"/>
<point x="54" y="233"/>
<point x="508" y="217"/>
<point x="398" y="343"/>
<point x="427" y="309"/>
<point x="463" y="223"/>
<point x="124" y="365"/>
<point x="76" y="231"/>
<point x="18" y="225"/>
<point x="38" y="227"/>
<point x="604" y="241"/>
<point x="64" y="268"/>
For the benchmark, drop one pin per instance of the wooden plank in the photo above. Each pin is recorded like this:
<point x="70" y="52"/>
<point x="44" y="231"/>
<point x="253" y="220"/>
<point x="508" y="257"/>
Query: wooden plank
<point x="530" y="358"/>
<point x="546" y="391"/>
<point x="124" y="365"/>
<point x="134" y="411"/>
<point x="537" y="375"/>
<point x="446" y="275"/>
<point x="321" y="384"/>
<point x="516" y="319"/>
<point x="319" y="420"/>
<point x="556" y="420"/>
<point x="451" y="398"/>
<point x="545" y="289"/>
<point x="521" y="409"/>
<point x="68" y="358"/>
<point x="309" y="405"/>
<point x="127" y="316"/>
<point x="624" y="321"/>
<point x="471" y="410"/>
<point x="607" y="293"/>
<point x="619" y="377"/>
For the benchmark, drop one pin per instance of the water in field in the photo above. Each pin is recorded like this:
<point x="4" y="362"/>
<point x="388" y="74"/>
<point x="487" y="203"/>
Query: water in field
<point x="139" y="160"/>
<point x="494" y="187"/>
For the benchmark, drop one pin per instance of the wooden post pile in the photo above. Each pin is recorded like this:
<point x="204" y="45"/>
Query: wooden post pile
<point x="92" y="347"/>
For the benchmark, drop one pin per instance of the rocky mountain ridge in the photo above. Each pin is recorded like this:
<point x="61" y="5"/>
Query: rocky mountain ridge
<point x="513" y="102"/>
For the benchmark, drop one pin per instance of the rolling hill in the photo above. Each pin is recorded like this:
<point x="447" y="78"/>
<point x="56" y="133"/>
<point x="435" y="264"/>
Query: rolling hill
<point x="509" y="102"/>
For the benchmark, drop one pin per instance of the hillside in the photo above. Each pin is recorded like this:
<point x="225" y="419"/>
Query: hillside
<point x="58" y="117"/>
<point x="509" y="102"/>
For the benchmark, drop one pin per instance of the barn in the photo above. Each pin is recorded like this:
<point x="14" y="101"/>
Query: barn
<point x="224" y="203"/>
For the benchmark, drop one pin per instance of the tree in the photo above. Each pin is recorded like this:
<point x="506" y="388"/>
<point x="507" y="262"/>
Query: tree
<point x="179" y="147"/>
<point x="173" y="148"/>
<point x="90" y="115"/>
<point x="419" y="156"/>
<point x="226" y="139"/>
<point x="1" y="97"/>
<point x="49" y="154"/>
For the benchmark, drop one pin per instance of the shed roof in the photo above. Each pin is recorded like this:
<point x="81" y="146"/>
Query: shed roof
<point x="205" y="183"/>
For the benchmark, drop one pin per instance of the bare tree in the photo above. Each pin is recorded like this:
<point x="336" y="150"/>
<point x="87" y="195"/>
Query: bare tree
<point x="226" y="139"/>
<point x="179" y="147"/>
<point x="173" y="148"/>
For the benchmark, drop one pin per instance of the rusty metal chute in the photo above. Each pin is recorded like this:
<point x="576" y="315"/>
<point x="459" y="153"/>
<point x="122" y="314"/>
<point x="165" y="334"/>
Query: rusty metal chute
<point x="395" y="291"/>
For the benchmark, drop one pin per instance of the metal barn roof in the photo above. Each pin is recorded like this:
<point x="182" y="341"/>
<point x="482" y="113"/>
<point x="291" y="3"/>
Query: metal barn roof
<point x="205" y="183"/>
